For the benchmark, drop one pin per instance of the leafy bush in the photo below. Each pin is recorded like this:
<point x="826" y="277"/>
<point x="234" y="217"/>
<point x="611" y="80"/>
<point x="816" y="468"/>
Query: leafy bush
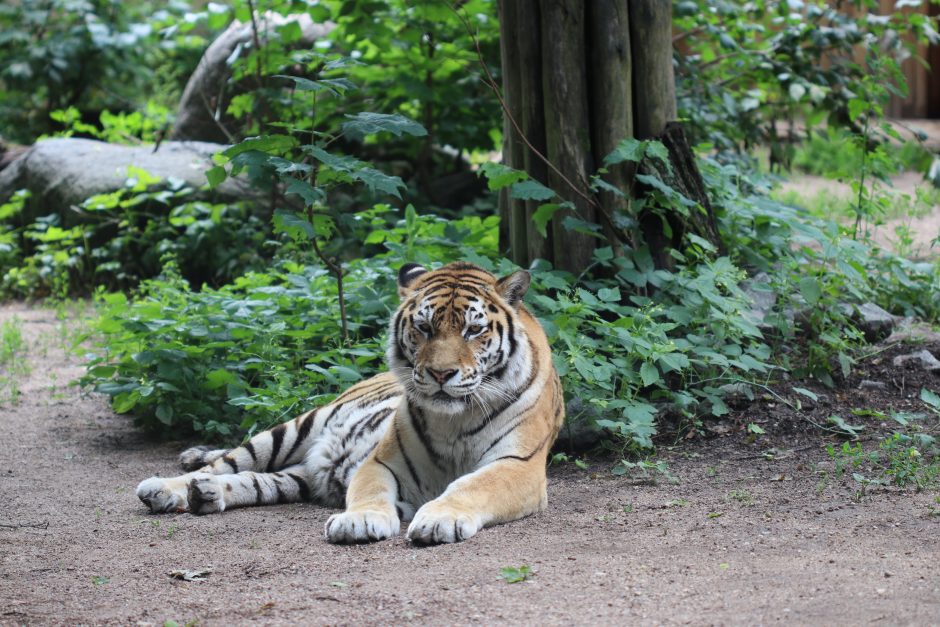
<point x="814" y="268"/>
<point x="142" y="126"/>
<point x="122" y="237"/>
<point x="90" y="55"/>
<point x="748" y="70"/>
<point x="837" y="154"/>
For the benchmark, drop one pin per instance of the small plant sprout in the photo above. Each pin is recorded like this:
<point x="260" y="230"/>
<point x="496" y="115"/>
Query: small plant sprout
<point x="741" y="496"/>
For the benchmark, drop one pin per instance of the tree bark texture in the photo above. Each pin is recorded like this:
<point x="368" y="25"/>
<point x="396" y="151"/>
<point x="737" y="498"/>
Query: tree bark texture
<point x="683" y="176"/>
<point x="579" y="77"/>
<point x="567" y="123"/>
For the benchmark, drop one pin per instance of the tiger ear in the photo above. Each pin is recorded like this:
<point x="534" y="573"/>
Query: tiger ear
<point x="513" y="287"/>
<point x="406" y="276"/>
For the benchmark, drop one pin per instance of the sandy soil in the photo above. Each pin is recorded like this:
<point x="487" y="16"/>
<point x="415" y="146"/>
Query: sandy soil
<point x="740" y="539"/>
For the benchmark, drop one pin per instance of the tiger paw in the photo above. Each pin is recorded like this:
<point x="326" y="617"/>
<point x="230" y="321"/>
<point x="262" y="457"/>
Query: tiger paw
<point x="205" y="495"/>
<point x="163" y="495"/>
<point x="194" y="458"/>
<point x="436" y="524"/>
<point x="368" y="526"/>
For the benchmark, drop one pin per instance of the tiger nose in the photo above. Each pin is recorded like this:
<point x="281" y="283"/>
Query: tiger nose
<point x="440" y="375"/>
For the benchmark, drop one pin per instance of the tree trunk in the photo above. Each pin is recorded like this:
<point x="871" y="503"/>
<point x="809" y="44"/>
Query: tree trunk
<point x="611" y="66"/>
<point x="579" y="77"/>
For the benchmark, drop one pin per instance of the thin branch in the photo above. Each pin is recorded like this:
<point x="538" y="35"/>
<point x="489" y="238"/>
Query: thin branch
<point x="695" y="31"/>
<point x="218" y="122"/>
<point x="335" y="268"/>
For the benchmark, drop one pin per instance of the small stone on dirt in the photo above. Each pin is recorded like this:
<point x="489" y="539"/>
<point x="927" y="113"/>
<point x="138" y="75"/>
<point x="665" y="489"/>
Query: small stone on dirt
<point x="873" y="321"/>
<point x="924" y="358"/>
<point x="190" y="575"/>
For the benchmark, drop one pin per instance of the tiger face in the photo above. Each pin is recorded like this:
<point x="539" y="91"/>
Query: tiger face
<point x="456" y="340"/>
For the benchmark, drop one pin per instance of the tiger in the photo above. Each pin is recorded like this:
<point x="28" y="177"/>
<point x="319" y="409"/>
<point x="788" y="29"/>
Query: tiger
<point x="454" y="437"/>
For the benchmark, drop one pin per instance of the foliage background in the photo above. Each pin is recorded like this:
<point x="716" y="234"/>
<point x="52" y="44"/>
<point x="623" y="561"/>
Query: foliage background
<point x="224" y="319"/>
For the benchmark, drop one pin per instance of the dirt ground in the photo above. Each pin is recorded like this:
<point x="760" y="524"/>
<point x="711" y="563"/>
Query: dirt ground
<point x="740" y="539"/>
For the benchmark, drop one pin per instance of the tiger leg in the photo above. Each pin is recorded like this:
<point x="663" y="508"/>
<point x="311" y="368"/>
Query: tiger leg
<point x="504" y="490"/>
<point x="208" y="493"/>
<point x="271" y="450"/>
<point x="373" y="507"/>
<point x="268" y="451"/>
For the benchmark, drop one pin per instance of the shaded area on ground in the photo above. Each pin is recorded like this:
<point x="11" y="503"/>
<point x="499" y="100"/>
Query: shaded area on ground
<point x="740" y="539"/>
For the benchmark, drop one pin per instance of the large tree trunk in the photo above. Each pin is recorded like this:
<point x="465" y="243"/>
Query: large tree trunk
<point x="578" y="77"/>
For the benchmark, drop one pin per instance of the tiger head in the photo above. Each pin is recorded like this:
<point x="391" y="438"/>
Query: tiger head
<point x="457" y="340"/>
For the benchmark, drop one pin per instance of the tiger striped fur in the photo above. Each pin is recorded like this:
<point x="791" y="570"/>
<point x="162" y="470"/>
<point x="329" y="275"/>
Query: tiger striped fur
<point x="453" y="438"/>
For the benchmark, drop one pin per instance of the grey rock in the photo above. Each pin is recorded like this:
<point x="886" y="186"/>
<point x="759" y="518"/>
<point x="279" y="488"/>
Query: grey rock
<point x="62" y="172"/>
<point x="737" y="394"/>
<point x="762" y="297"/>
<point x="913" y="330"/>
<point x="924" y="359"/>
<point x="201" y="112"/>
<point x="873" y="321"/>
<point x="867" y="384"/>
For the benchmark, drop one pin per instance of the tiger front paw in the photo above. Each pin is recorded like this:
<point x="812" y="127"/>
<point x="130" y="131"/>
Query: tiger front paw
<point x="163" y="495"/>
<point x="205" y="495"/>
<point x="438" y="524"/>
<point x="368" y="526"/>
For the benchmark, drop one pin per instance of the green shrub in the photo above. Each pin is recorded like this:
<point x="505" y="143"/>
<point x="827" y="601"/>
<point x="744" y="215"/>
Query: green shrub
<point x="92" y="55"/>
<point x="121" y="238"/>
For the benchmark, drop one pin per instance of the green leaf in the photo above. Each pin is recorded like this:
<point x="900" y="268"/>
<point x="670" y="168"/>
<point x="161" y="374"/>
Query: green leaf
<point x="930" y="398"/>
<point x="499" y="176"/>
<point x="511" y="574"/>
<point x="218" y="378"/>
<point x="811" y="290"/>
<point x="165" y="413"/>
<point x="856" y="108"/>
<point x="629" y="149"/>
<point x="531" y="190"/>
<point x="357" y="170"/>
<point x="311" y="195"/>
<point x="806" y="393"/>
<point x="368" y="123"/>
<point x="379" y="181"/>
<point x="215" y="175"/>
<point x="543" y="216"/>
<point x="658" y="150"/>
<point x="843" y="427"/>
<point x="649" y="373"/>
<point x="340" y="163"/>
<point x="294" y="224"/>
<point x="272" y="144"/>
<point x="674" y="361"/>
<point x="336" y="86"/>
<point x="124" y="402"/>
